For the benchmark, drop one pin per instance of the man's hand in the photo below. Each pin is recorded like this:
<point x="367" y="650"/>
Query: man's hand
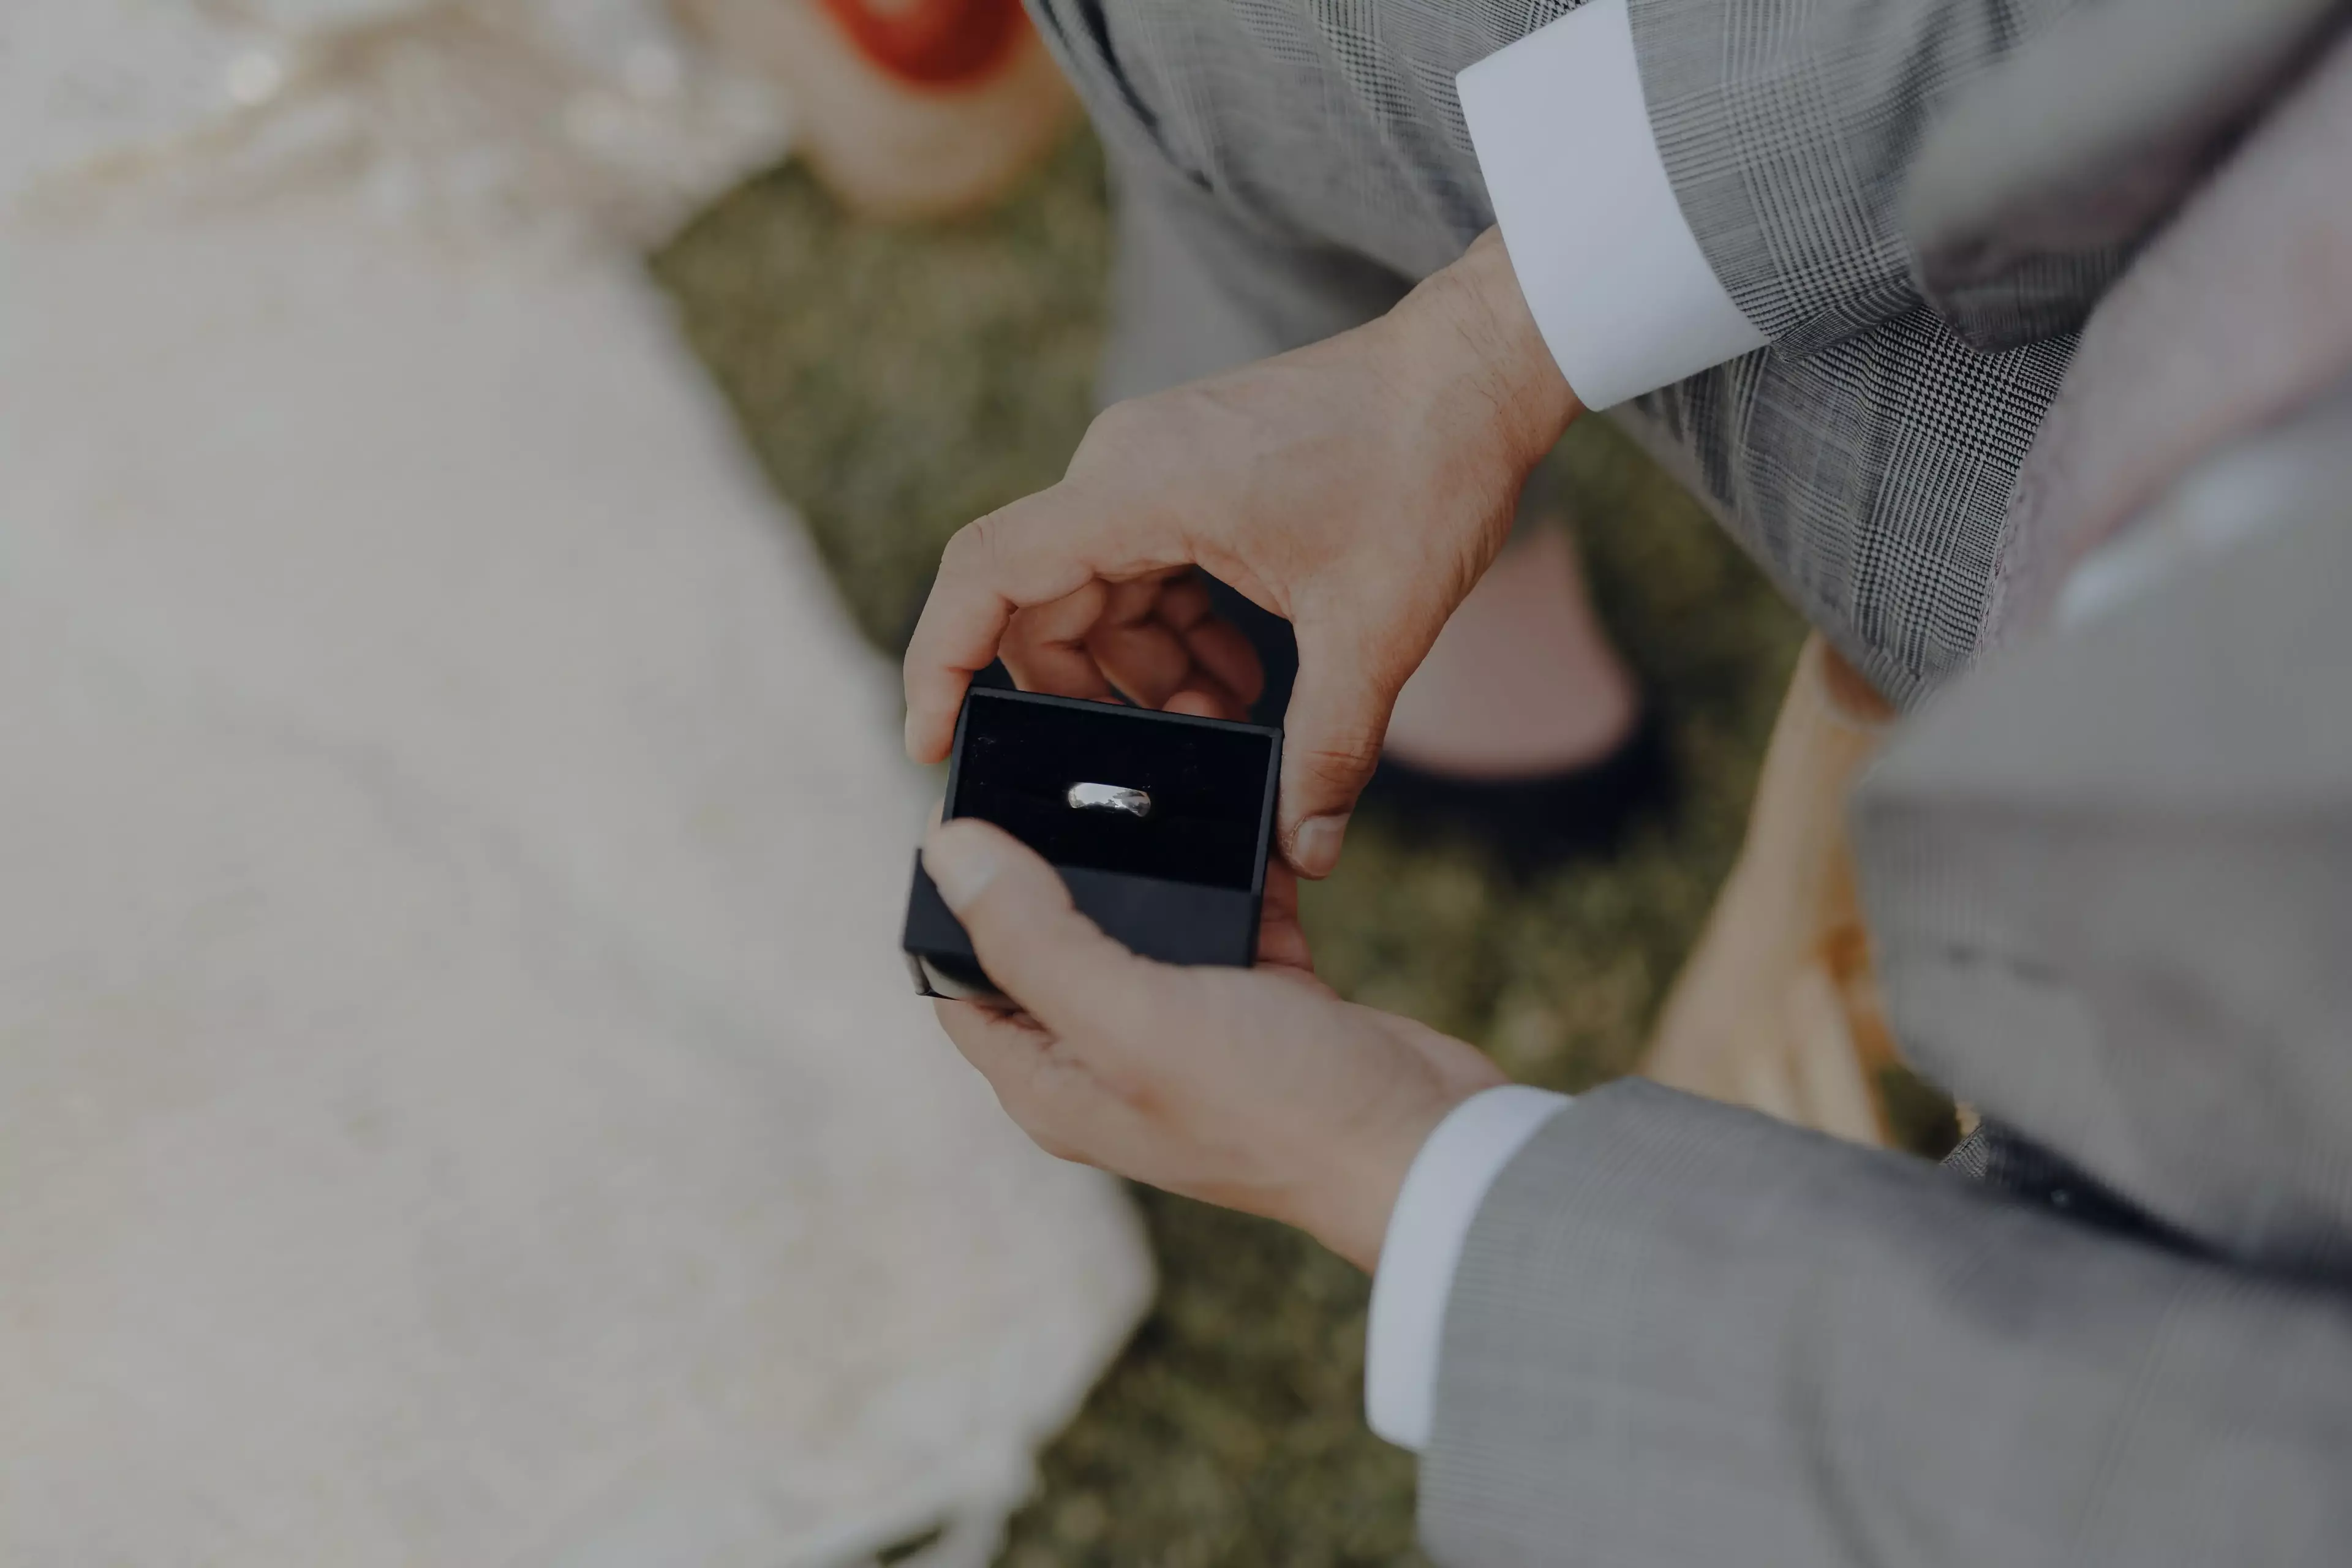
<point x="1258" y="1089"/>
<point x="1360" y="487"/>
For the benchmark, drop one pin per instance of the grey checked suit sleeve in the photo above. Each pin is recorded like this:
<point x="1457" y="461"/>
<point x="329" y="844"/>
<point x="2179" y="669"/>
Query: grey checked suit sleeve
<point x="1682" y="1334"/>
<point x="1789" y="127"/>
<point x="1870" y="479"/>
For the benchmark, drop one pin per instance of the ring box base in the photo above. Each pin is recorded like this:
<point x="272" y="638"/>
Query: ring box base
<point x="1182" y="885"/>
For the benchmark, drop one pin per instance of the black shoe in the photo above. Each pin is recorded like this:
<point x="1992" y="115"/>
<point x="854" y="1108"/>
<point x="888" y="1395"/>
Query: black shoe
<point x="1528" y="826"/>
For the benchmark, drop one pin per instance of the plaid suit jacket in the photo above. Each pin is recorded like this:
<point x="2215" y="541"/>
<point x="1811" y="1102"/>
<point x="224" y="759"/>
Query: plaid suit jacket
<point x="1312" y="159"/>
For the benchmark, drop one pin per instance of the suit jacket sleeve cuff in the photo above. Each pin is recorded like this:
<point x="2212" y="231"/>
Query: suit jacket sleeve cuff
<point x="1441" y="1196"/>
<point x="1618" y="285"/>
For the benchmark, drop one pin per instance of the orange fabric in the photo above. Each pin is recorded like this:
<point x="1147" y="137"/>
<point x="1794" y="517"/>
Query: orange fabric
<point x="932" y="43"/>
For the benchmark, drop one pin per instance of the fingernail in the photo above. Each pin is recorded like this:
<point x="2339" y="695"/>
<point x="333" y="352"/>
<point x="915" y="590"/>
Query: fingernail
<point x="961" y="864"/>
<point x="1316" y="848"/>
<point x="908" y="740"/>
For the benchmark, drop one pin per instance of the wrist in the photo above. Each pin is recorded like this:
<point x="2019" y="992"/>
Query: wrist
<point x="1469" y="324"/>
<point x="1346" y="1201"/>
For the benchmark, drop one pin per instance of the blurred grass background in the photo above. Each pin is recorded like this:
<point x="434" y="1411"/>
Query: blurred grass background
<point x="897" y="382"/>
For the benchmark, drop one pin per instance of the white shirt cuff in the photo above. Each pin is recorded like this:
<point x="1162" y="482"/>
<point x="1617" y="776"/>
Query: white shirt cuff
<point x="1616" y="281"/>
<point x="1441" y="1196"/>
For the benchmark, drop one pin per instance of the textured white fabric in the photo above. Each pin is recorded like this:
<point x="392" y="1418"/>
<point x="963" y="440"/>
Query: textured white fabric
<point x="460" y="1100"/>
<point x="471" y="121"/>
<point x="1432" y="1219"/>
<point x="1617" y="283"/>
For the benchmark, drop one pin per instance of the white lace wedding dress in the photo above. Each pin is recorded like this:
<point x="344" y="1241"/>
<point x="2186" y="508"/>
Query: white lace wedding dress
<point x="459" y="1103"/>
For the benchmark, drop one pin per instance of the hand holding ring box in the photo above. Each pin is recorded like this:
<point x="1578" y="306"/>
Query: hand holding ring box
<point x="1159" y="822"/>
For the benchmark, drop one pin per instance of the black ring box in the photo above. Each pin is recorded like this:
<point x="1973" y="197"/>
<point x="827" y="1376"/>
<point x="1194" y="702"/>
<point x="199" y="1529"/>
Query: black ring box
<point x="1182" y="885"/>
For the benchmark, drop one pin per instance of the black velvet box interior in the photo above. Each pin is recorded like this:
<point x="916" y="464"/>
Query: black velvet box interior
<point x="1182" y="884"/>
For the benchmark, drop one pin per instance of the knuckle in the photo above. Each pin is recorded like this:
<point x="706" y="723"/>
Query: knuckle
<point x="1339" y="759"/>
<point x="1118" y="426"/>
<point x="1028" y="633"/>
<point x="976" y="548"/>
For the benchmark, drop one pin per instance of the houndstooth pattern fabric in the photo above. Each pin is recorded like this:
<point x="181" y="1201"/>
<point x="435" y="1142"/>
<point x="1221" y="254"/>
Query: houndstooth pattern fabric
<point x="1789" y="127"/>
<point x="1871" y="479"/>
<point x="1309" y="161"/>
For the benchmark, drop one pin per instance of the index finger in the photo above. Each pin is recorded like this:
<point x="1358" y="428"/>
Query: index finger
<point x="1033" y="552"/>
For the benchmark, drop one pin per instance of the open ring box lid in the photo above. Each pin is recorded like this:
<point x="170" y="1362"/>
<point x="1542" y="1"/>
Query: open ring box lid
<point x="1182" y="883"/>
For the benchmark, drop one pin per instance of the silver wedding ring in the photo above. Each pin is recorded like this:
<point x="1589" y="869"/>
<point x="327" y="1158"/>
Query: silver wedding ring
<point x="1110" y="797"/>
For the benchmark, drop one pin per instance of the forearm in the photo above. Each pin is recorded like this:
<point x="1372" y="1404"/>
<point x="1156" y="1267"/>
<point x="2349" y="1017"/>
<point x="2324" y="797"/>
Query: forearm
<point x="1676" y="1325"/>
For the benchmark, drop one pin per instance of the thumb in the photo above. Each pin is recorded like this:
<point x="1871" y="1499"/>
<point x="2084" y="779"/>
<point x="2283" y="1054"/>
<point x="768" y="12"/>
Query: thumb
<point x="1034" y="943"/>
<point x="1331" y="742"/>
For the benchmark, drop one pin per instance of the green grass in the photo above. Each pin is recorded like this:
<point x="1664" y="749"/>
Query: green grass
<point x="897" y="382"/>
